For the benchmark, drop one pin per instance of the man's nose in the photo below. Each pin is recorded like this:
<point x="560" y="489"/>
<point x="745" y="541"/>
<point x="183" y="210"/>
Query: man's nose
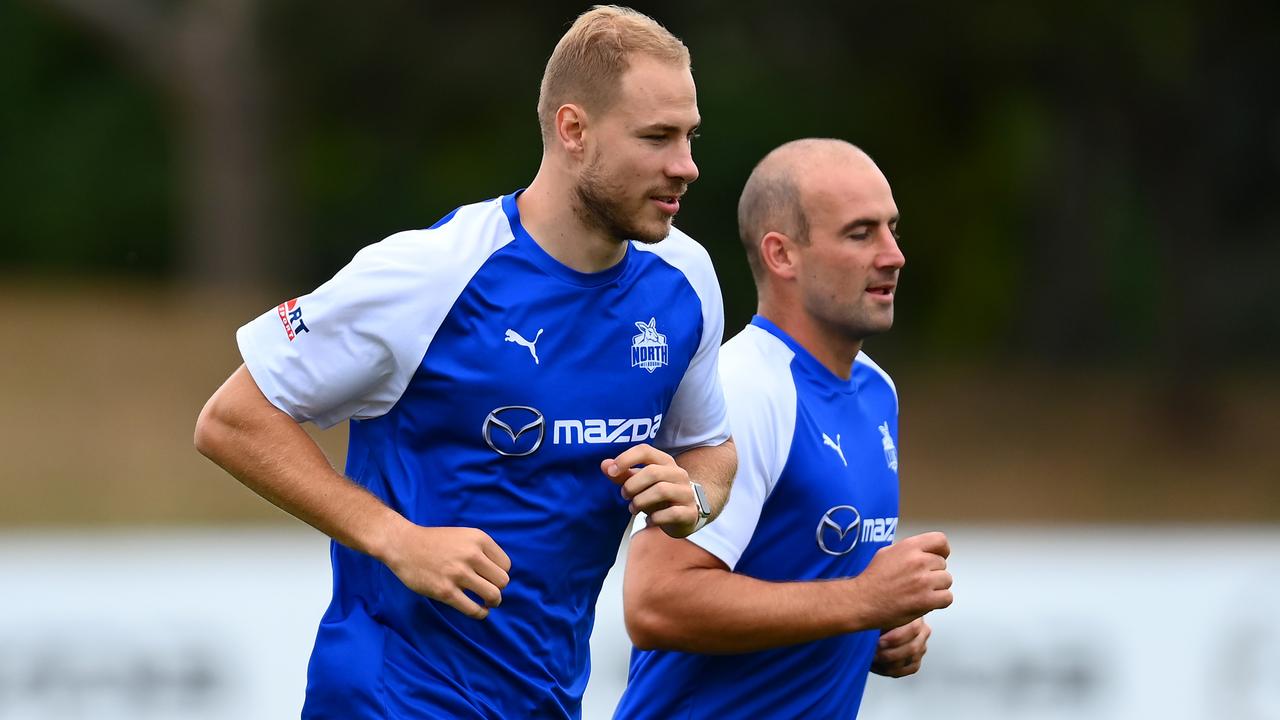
<point x="682" y="166"/>
<point x="890" y="257"/>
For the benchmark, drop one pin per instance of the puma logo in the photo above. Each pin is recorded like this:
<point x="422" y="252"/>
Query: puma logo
<point x="515" y="337"/>
<point x="835" y="446"/>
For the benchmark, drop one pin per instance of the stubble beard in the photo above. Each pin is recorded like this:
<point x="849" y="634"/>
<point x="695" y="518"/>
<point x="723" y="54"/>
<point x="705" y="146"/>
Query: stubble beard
<point x="856" y="324"/>
<point x="601" y="206"/>
<point x="869" y="322"/>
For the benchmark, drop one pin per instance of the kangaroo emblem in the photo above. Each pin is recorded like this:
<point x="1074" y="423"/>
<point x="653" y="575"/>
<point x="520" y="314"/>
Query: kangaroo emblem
<point x="515" y="337"/>
<point x="835" y="446"/>
<point x="649" y="348"/>
<point x="890" y="452"/>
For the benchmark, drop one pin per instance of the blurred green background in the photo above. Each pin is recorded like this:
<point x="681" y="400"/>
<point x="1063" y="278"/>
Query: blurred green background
<point x="1087" y="325"/>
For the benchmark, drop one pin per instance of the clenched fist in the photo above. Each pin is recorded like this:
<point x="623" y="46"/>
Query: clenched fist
<point x="442" y="562"/>
<point x="907" y="579"/>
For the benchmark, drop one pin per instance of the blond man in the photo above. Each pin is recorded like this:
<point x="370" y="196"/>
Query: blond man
<point x="520" y="378"/>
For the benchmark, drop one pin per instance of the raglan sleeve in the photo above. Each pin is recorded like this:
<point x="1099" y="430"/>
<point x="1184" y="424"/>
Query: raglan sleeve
<point x="763" y="421"/>
<point x="697" y="416"/>
<point x="348" y="349"/>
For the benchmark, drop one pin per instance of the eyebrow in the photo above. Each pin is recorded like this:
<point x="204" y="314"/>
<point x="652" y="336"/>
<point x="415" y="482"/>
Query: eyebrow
<point x="666" y="128"/>
<point x="865" y="222"/>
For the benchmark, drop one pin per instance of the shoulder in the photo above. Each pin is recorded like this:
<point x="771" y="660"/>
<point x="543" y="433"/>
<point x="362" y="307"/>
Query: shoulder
<point x="874" y="376"/>
<point x="687" y="256"/>
<point x="465" y="237"/>
<point x="755" y="369"/>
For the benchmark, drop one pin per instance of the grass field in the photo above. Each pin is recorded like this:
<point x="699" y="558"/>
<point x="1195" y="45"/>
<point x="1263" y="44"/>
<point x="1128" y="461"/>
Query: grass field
<point x="101" y="385"/>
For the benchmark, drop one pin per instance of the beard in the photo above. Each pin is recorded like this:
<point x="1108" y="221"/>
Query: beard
<point x="853" y="320"/>
<point x="602" y="205"/>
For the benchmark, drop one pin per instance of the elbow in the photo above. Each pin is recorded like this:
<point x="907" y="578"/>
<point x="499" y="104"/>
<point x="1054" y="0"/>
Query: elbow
<point x="650" y="628"/>
<point x="210" y="430"/>
<point x="644" y="630"/>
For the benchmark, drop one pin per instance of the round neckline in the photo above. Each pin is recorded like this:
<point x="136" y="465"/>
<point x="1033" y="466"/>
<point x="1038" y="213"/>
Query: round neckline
<point x="552" y="266"/>
<point x="820" y="373"/>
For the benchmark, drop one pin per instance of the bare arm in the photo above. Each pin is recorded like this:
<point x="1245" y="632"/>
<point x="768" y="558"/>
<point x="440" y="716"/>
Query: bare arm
<point x="658" y="484"/>
<point x="714" y="467"/>
<point x="240" y="430"/>
<point x="677" y="596"/>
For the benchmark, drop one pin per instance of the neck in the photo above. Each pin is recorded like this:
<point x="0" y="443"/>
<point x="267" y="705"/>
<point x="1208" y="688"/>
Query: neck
<point x="547" y="213"/>
<point x="835" y="351"/>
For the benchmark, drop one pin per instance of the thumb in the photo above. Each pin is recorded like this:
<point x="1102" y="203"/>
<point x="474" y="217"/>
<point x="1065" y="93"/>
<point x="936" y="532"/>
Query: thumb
<point x="610" y="468"/>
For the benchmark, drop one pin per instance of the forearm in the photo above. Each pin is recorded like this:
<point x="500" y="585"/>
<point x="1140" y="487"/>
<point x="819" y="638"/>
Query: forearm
<point x="272" y="455"/>
<point x="673" y="606"/>
<point x="713" y="467"/>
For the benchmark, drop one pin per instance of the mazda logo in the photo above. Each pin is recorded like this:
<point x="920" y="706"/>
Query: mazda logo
<point x="510" y="430"/>
<point x="839" y="529"/>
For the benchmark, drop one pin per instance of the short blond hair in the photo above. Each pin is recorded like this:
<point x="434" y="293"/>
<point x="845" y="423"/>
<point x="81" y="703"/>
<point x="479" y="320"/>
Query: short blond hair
<point x="588" y="62"/>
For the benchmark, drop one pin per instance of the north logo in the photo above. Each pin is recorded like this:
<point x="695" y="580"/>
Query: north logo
<point x="649" y="348"/>
<point x="291" y="317"/>
<point x="890" y="452"/>
<point x="838" y="530"/>
<point x="531" y="345"/>
<point x="514" y="430"/>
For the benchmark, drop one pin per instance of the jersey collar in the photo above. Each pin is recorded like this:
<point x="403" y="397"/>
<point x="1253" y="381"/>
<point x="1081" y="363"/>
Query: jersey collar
<point x="812" y="368"/>
<point x="552" y="266"/>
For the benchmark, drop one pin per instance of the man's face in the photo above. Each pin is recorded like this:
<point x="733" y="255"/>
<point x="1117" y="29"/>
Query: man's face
<point x="849" y="268"/>
<point x="638" y="153"/>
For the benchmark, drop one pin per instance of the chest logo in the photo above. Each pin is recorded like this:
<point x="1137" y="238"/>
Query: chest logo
<point x="514" y="430"/>
<point x="532" y="345"/>
<point x="649" y="348"/>
<point x="890" y="452"/>
<point x="838" y="530"/>
<point x="835" y="445"/>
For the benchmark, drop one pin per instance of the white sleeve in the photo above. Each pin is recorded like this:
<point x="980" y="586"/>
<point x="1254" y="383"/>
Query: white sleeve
<point x="349" y="349"/>
<point x="697" y="415"/>
<point x="761" y="398"/>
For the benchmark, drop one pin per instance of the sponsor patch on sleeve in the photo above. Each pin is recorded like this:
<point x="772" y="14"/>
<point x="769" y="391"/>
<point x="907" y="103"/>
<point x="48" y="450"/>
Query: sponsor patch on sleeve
<point x="291" y="317"/>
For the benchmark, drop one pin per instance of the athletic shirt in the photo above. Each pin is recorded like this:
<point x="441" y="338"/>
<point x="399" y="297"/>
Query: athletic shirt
<point x="816" y="495"/>
<point x="485" y="381"/>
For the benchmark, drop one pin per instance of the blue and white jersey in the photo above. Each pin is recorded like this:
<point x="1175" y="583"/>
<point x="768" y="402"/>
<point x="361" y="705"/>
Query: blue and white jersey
<point x="816" y="495"/>
<point x="485" y="382"/>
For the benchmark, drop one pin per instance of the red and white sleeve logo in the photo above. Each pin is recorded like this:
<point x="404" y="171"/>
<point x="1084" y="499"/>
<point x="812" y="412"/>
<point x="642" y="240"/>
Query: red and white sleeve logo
<point x="291" y="317"/>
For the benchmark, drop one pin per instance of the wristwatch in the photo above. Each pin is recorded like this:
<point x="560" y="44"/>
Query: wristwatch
<point x="704" y="507"/>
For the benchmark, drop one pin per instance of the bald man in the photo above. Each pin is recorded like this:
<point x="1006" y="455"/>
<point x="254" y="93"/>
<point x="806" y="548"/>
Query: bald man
<point x="781" y="607"/>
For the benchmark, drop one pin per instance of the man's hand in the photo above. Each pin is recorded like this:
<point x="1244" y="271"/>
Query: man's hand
<point x="902" y="649"/>
<point x="442" y="562"/>
<point x="907" y="579"/>
<point x="657" y="486"/>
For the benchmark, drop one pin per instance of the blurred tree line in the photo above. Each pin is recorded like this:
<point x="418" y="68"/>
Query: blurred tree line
<point x="1084" y="183"/>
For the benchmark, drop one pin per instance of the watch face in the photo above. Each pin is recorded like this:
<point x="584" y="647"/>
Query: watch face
<point x="700" y="499"/>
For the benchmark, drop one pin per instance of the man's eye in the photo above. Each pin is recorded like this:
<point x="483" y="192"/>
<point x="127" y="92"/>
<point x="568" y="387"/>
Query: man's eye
<point x="694" y="135"/>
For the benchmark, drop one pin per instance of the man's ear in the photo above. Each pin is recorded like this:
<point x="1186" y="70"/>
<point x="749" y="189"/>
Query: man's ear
<point x="779" y="256"/>
<point x="571" y="125"/>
